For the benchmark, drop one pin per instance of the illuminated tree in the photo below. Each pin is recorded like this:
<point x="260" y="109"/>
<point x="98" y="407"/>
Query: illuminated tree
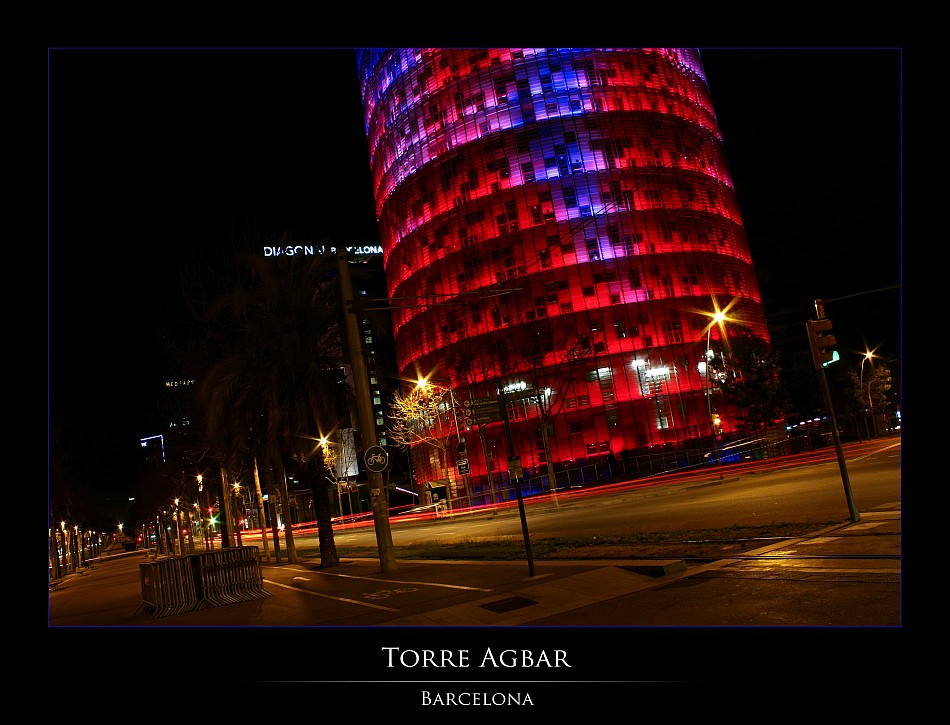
<point x="868" y="391"/>
<point x="424" y="415"/>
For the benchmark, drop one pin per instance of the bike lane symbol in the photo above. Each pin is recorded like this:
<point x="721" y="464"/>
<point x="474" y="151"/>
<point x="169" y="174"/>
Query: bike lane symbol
<point x="376" y="459"/>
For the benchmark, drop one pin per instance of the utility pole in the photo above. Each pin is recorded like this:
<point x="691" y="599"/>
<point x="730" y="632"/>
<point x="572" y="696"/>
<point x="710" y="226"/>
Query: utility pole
<point x="364" y="409"/>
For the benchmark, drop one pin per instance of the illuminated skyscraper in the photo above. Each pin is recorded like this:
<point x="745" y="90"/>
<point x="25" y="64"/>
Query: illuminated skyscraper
<point x="559" y="224"/>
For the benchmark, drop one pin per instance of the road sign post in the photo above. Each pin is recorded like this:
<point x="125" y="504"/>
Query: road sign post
<point x="364" y="410"/>
<point x="515" y="474"/>
<point x="481" y="410"/>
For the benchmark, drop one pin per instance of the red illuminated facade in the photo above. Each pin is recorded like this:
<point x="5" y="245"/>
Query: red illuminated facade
<point x="559" y="225"/>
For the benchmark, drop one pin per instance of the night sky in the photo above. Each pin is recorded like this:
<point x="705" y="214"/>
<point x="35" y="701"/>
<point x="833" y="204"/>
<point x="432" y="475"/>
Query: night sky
<point x="160" y="156"/>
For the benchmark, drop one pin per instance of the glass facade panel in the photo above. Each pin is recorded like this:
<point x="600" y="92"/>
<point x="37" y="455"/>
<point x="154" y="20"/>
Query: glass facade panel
<point x="564" y="219"/>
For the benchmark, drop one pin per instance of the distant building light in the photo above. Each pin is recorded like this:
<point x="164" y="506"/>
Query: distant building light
<point x="515" y="387"/>
<point x="308" y="250"/>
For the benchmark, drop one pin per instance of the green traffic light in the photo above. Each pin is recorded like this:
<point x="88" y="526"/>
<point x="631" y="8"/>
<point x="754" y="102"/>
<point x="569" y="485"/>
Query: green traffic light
<point x="835" y="357"/>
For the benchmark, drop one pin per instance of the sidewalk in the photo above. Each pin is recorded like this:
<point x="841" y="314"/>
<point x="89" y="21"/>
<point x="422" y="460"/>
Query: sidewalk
<point x="845" y="576"/>
<point x="776" y="627"/>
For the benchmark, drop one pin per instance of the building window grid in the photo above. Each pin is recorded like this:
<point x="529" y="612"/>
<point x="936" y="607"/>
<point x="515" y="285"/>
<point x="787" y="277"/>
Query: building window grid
<point x="518" y="164"/>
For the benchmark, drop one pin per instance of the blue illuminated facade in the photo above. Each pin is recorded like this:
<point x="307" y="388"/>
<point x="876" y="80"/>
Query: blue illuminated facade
<point x="558" y="224"/>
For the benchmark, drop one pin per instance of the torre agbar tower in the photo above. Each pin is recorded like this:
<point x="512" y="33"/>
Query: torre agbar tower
<point x="559" y="228"/>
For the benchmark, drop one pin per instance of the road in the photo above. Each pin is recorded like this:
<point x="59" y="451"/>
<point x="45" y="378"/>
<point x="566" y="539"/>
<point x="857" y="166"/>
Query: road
<point x="799" y="489"/>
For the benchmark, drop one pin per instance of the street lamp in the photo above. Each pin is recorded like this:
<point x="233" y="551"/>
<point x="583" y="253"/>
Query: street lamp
<point x="718" y="317"/>
<point x="238" y="519"/>
<point x="868" y="355"/>
<point x="181" y="541"/>
<point x="205" y="522"/>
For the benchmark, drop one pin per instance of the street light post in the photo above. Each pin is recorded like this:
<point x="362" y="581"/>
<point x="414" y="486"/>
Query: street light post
<point x="718" y="318"/>
<point x="867" y="358"/>
<point x="181" y="542"/>
<point x="237" y="517"/>
<point x="207" y="534"/>
<point x="189" y="525"/>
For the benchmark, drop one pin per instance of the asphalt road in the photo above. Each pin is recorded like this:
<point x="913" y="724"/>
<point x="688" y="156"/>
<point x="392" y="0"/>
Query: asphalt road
<point x="806" y="489"/>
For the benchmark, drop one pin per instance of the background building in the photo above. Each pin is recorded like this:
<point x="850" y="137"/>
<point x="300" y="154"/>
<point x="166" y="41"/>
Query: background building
<point x="559" y="225"/>
<point x="178" y="450"/>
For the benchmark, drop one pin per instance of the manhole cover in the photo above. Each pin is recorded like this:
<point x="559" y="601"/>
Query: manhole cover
<point x="508" y="605"/>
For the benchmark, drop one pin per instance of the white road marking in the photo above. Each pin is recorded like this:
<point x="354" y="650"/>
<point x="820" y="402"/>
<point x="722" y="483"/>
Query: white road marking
<point x="400" y="581"/>
<point x="327" y="596"/>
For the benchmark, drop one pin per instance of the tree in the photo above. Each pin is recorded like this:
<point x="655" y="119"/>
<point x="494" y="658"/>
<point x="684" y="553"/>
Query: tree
<point x="749" y="380"/>
<point x="424" y="415"/>
<point x="552" y="381"/>
<point x="867" y="392"/>
<point x="845" y="389"/>
<point x="272" y="357"/>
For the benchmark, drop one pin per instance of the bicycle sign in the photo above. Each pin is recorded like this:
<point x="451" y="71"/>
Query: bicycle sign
<point x="376" y="459"/>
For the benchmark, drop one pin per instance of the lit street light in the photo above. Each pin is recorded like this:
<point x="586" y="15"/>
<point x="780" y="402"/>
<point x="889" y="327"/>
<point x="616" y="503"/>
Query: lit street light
<point x="868" y="355"/>
<point x="206" y="524"/>
<point x="718" y="317"/>
<point x="237" y="518"/>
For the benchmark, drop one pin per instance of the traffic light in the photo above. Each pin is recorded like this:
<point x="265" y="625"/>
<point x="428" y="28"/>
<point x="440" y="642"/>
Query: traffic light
<point x="821" y="342"/>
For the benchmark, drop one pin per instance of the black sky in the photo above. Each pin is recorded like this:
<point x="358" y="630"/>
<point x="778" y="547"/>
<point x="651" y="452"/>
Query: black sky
<point x="156" y="155"/>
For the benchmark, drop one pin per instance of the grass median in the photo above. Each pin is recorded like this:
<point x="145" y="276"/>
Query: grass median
<point x="693" y="545"/>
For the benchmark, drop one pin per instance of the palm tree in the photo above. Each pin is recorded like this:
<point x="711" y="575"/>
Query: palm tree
<point x="269" y="385"/>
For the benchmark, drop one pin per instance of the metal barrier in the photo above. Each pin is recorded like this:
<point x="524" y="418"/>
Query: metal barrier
<point x="227" y="576"/>
<point x="198" y="581"/>
<point x="168" y="586"/>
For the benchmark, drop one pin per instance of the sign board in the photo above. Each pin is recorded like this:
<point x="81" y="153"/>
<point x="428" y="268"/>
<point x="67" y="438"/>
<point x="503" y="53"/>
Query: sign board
<point x="481" y="410"/>
<point x="376" y="458"/>
<point x="514" y="467"/>
<point x="464" y="468"/>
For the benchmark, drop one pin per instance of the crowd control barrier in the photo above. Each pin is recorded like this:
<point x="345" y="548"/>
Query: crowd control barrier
<point x="198" y="581"/>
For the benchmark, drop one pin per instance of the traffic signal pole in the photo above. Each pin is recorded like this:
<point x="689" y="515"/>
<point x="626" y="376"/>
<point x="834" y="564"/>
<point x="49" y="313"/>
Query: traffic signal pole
<point x="820" y="344"/>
